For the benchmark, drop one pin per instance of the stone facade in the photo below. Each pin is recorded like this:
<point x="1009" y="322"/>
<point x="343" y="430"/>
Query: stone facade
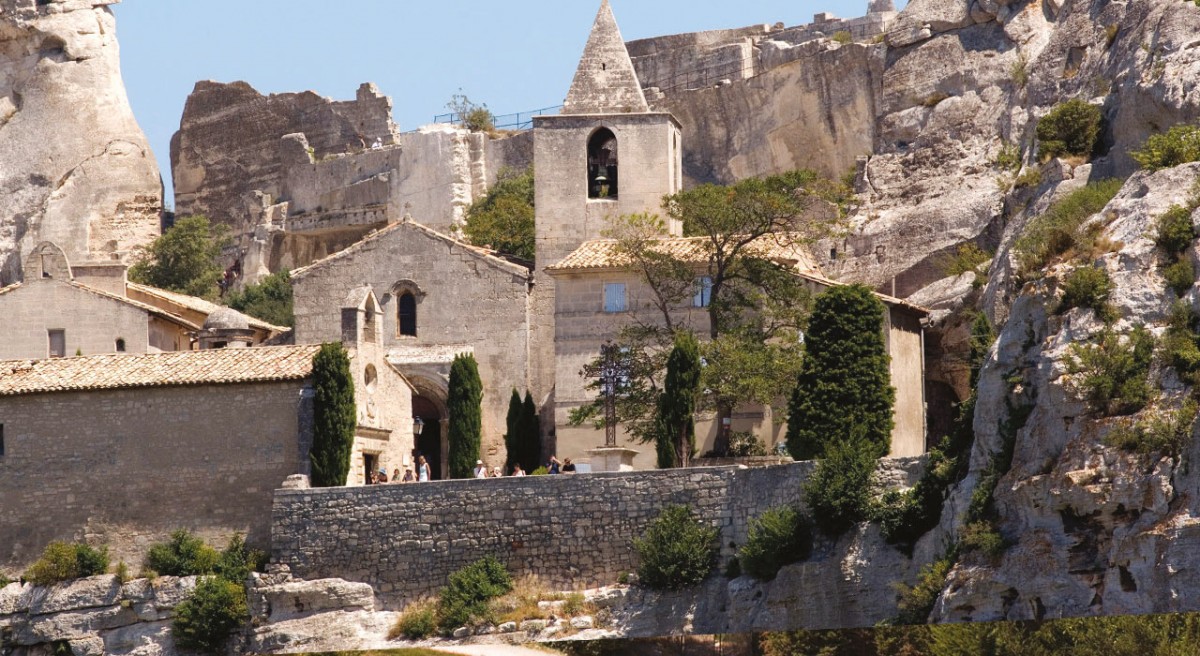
<point x="569" y="530"/>
<point x="465" y="301"/>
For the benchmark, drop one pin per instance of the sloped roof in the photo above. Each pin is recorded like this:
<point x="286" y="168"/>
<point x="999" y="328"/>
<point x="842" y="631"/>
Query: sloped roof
<point x="484" y="254"/>
<point x="200" y="305"/>
<point x="156" y="311"/>
<point x="122" y="371"/>
<point x="605" y="82"/>
<point x="601" y="254"/>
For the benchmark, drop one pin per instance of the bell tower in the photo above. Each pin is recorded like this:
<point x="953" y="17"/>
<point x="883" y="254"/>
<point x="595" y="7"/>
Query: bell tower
<point x="606" y="155"/>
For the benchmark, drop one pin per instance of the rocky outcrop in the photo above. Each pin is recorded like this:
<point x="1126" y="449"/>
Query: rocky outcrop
<point x="77" y="169"/>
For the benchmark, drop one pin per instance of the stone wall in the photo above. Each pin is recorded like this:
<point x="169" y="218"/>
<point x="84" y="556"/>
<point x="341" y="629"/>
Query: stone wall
<point x="569" y="530"/>
<point x="91" y="323"/>
<point x="124" y="468"/>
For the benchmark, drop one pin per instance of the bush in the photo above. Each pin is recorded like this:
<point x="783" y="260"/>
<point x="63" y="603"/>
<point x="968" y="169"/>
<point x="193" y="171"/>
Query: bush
<point x="1071" y="128"/>
<point x="843" y="37"/>
<point x="984" y="538"/>
<point x="270" y="300"/>
<point x="1175" y="233"/>
<point x="743" y="444"/>
<point x="780" y="536"/>
<point x="238" y="560"/>
<point x="205" y="620"/>
<point x="916" y="602"/>
<point x="676" y="551"/>
<point x="1087" y="287"/>
<point x="968" y="257"/>
<point x="183" y="555"/>
<point x="1009" y="158"/>
<point x="503" y="218"/>
<point x="1180" y="276"/>
<point x="1179" y="145"/>
<point x="1165" y="432"/>
<point x="184" y="258"/>
<point x="839" y="492"/>
<point x="465" y="598"/>
<point x="1112" y="374"/>
<point x="417" y="622"/>
<point x="1060" y="229"/>
<point x="61" y="561"/>
<point x="1181" y="344"/>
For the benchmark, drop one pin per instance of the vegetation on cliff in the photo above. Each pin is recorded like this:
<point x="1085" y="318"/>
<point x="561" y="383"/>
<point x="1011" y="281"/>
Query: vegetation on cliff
<point x="270" y="299"/>
<point x="184" y="259"/>
<point x="676" y="551"/>
<point x="503" y="219"/>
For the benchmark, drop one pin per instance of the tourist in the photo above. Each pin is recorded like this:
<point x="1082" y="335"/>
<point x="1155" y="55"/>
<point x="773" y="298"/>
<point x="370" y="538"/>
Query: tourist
<point x="517" y="471"/>
<point x="422" y="470"/>
<point x="381" y="478"/>
<point x="568" y="466"/>
<point x="396" y="475"/>
<point x="496" y="473"/>
<point x="480" y="469"/>
<point x="553" y="465"/>
<point x="408" y="475"/>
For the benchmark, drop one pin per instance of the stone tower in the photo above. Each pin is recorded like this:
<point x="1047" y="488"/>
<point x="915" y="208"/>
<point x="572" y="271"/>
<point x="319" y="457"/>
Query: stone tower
<point x="606" y="155"/>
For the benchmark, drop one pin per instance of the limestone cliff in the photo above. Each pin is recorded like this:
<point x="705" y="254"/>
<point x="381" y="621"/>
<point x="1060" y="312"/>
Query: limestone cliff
<point x="77" y="169"/>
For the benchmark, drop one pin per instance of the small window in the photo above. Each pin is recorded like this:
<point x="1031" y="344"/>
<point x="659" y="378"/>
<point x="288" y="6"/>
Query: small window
<point x="406" y="314"/>
<point x="120" y="345"/>
<point x="614" y="297"/>
<point x="602" y="164"/>
<point x="703" y="297"/>
<point x="58" y="343"/>
<point x="370" y="377"/>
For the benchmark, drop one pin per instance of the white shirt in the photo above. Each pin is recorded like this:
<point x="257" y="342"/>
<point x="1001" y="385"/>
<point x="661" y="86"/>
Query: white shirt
<point x="423" y="473"/>
<point x="481" y="472"/>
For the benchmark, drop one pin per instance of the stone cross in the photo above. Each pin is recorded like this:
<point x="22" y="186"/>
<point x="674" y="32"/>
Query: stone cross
<point x="613" y="372"/>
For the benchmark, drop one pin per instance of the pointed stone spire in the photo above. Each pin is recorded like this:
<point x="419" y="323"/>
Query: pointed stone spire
<point x="605" y="82"/>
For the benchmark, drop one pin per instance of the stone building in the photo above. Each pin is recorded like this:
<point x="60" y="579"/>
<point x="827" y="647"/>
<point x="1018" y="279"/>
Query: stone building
<point x="61" y="310"/>
<point x="436" y="297"/>
<point x="598" y="292"/>
<point x="124" y="449"/>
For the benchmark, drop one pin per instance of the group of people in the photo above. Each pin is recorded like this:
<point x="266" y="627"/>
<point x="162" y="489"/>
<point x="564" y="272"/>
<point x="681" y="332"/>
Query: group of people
<point x="552" y="467"/>
<point x="422" y="474"/>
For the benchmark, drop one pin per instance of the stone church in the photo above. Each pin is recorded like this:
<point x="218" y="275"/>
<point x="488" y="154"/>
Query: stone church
<point x="607" y="154"/>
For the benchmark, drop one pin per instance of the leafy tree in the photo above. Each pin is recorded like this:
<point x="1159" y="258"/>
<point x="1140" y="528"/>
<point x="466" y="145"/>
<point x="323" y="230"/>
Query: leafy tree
<point x="466" y="422"/>
<point x="184" y="258"/>
<point x="270" y="300"/>
<point x="512" y="436"/>
<point x="1071" y="128"/>
<point x="531" y="433"/>
<point x="503" y="219"/>
<point x="676" y="439"/>
<point x="335" y="416"/>
<point x="845" y="383"/>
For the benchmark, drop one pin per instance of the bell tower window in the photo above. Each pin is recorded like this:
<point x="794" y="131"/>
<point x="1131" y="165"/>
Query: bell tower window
<point x="602" y="164"/>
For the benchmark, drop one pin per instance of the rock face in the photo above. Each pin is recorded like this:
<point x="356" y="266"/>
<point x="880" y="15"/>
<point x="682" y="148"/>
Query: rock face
<point x="77" y="169"/>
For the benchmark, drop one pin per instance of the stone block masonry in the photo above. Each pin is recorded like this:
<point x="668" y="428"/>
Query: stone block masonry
<point x="569" y="530"/>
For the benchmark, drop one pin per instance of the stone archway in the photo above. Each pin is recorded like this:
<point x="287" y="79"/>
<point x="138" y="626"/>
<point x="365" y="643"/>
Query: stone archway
<point x="430" y="391"/>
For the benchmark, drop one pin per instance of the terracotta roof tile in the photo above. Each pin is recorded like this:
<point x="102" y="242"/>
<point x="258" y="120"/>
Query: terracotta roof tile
<point x="603" y="253"/>
<point x="120" y="371"/>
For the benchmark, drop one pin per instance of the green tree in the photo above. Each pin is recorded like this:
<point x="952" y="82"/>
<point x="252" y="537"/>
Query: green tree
<point x="1071" y="128"/>
<point x="471" y="115"/>
<point x="839" y="492"/>
<point x="466" y="422"/>
<point x="270" y="300"/>
<point x="205" y="620"/>
<point x="334" y="416"/>
<point x="184" y="259"/>
<point x="531" y="434"/>
<point x="512" y="437"/>
<point x="503" y="219"/>
<point x="845" y="383"/>
<point x="676" y="439"/>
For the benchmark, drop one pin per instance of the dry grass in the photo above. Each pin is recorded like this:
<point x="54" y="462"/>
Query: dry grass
<point x="522" y="603"/>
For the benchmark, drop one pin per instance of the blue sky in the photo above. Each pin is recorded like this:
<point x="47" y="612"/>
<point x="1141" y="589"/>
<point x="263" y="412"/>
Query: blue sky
<point x="513" y="55"/>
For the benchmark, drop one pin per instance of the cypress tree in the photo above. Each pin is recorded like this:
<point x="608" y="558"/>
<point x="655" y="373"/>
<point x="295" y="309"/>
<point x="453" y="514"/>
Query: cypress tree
<point x="844" y="385"/>
<point x="335" y="416"/>
<point x="512" y="436"/>
<point x="466" y="421"/>
<point x="676" y="439"/>
<point x="531" y="435"/>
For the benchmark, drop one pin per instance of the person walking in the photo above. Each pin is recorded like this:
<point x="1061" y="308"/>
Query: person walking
<point x="422" y="470"/>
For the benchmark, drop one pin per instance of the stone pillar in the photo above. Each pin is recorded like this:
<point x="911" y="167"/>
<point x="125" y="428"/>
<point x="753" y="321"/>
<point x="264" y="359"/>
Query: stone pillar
<point x="612" y="459"/>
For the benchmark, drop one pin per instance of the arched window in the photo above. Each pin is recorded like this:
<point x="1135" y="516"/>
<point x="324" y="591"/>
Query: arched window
<point x="369" y="321"/>
<point x="120" y="345"/>
<point x="602" y="164"/>
<point x="406" y="314"/>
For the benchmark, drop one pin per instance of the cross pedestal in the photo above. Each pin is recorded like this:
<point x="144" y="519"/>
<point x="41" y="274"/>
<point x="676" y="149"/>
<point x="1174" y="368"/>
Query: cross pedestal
<point x="612" y="459"/>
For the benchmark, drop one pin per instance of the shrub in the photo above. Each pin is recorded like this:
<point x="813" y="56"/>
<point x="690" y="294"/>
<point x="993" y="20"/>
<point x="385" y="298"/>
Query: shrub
<point x="1180" y="276"/>
<point x="1019" y="71"/>
<point x="205" y="620"/>
<point x="1030" y="177"/>
<point x="1009" y="158"/>
<point x="984" y="538"/>
<point x="183" y="555"/>
<point x="1179" y="145"/>
<point x="968" y="257"/>
<point x="473" y="116"/>
<point x="465" y="598"/>
<point x="270" y="300"/>
<point x="1060" y="229"/>
<point x="1175" y="233"/>
<point x="417" y="622"/>
<point x="1181" y="343"/>
<point x="238" y="560"/>
<point x="843" y="37"/>
<point x="1071" y="128"/>
<point x="1112" y="374"/>
<point x="574" y="604"/>
<point x="676" y="551"/>
<point x="780" y="536"/>
<point x="839" y="492"/>
<point x="503" y="218"/>
<point x="61" y="561"/>
<point x="917" y="601"/>
<point x="1165" y="432"/>
<point x="745" y="444"/>
<point x="1087" y="287"/>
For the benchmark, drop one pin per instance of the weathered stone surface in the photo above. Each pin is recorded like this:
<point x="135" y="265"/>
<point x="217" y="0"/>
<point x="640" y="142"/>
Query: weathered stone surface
<point x="77" y="168"/>
<point x="938" y="15"/>
<point x="299" y="598"/>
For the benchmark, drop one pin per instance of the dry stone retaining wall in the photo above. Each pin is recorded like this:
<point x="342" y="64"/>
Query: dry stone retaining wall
<point x="568" y="530"/>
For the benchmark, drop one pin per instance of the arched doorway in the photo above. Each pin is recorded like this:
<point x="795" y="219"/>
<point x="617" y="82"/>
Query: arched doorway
<point x="430" y="442"/>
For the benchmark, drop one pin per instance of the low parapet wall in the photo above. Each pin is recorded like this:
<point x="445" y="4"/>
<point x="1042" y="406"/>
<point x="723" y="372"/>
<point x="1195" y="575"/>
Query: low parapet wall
<point x="569" y="530"/>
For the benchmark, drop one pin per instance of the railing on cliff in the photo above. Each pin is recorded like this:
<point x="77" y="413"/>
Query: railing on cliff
<point x="518" y="121"/>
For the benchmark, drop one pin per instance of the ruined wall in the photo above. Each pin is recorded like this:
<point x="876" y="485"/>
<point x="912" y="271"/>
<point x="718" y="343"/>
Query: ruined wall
<point x="570" y="530"/>
<point x="127" y="467"/>
<point x="77" y="169"/>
